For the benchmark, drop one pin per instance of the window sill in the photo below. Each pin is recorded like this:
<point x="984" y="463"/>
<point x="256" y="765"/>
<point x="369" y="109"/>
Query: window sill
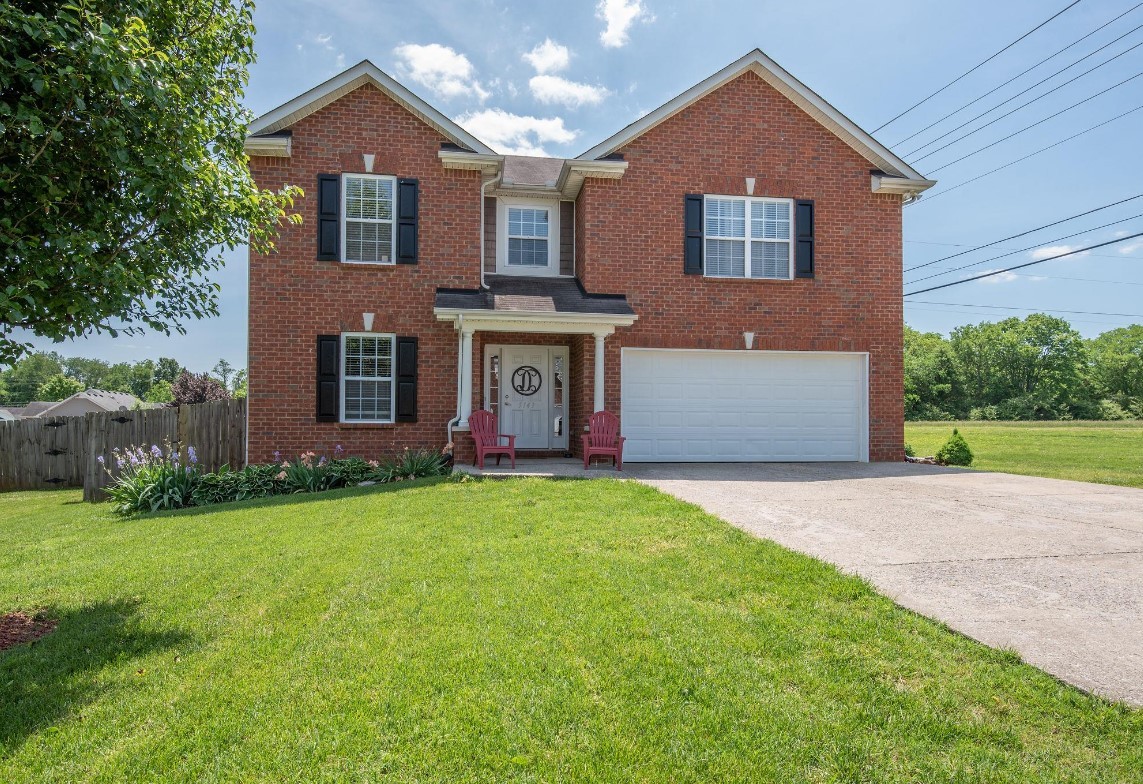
<point x="752" y="280"/>
<point x="364" y="425"/>
<point x="368" y="263"/>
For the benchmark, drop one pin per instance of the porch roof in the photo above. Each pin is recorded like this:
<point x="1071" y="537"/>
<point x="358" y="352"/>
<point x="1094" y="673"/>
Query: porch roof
<point x="519" y="301"/>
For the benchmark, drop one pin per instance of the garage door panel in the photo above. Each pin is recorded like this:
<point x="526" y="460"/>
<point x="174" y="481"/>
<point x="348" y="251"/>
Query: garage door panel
<point x="737" y="405"/>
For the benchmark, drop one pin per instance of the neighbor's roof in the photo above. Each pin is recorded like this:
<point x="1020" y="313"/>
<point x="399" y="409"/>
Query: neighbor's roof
<point x="519" y="294"/>
<point x="781" y="80"/>
<point x="108" y="401"/>
<point x="364" y="72"/>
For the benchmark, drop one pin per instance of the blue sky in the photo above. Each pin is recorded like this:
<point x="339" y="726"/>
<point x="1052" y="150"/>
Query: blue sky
<point x="557" y="78"/>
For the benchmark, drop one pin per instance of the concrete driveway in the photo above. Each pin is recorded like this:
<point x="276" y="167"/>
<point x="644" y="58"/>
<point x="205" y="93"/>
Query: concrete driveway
<point x="1050" y="568"/>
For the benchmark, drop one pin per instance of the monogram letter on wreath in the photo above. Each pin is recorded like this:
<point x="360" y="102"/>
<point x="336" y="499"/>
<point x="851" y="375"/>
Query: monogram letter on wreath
<point x="526" y="380"/>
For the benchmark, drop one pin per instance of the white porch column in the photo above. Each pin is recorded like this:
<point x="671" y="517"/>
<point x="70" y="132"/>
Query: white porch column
<point x="465" y="376"/>
<point x="599" y="338"/>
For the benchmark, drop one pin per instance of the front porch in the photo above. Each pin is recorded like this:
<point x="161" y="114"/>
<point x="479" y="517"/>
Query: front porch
<point x="531" y="351"/>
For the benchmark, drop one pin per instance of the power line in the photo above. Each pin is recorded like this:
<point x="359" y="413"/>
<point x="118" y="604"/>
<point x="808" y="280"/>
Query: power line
<point x="1037" y="310"/>
<point x="1025" y="72"/>
<point x="1023" y="105"/>
<point x="1022" y="266"/>
<point x="1083" y="280"/>
<point x="978" y="65"/>
<point x="1026" y="157"/>
<point x="987" y="313"/>
<point x="1025" y="128"/>
<point x="1024" y="233"/>
<point x="1021" y="250"/>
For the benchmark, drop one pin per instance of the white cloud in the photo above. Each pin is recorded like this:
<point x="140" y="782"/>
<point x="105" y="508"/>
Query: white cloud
<point x="441" y="69"/>
<point x="515" y="134"/>
<point x="548" y="57"/>
<point x="323" y="38"/>
<point x="1130" y="248"/>
<point x="620" y="15"/>
<point x="1005" y="277"/>
<point x="1039" y="254"/>
<point x="556" y="89"/>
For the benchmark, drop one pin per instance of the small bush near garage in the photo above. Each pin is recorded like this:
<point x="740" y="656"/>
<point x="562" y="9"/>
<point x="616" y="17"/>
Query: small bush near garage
<point x="955" y="451"/>
<point x="160" y="478"/>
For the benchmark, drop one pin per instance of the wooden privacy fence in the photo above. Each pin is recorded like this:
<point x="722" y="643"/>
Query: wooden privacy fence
<point x="55" y="452"/>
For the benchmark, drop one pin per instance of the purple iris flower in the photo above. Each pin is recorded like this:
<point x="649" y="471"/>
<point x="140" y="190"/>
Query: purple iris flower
<point x="191" y="454"/>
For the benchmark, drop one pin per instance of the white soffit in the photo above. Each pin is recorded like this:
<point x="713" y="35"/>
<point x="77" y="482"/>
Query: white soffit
<point x="363" y="73"/>
<point x="781" y="80"/>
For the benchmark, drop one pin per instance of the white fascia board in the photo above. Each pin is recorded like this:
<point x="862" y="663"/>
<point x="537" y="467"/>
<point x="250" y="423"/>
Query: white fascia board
<point x="267" y="146"/>
<point x="777" y="76"/>
<point x="902" y="185"/>
<point x="473" y="161"/>
<point x="535" y="321"/>
<point x="364" y="72"/>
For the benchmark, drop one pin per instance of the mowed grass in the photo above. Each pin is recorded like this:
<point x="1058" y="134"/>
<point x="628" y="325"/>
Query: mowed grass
<point x="1106" y="452"/>
<point x="521" y="630"/>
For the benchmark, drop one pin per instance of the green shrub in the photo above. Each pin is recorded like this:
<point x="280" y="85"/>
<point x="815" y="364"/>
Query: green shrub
<point x="955" y="451"/>
<point x="984" y="414"/>
<point x="909" y="451"/>
<point x="1109" y="409"/>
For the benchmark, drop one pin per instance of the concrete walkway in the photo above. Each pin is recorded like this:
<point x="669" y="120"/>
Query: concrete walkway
<point x="1050" y="568"/>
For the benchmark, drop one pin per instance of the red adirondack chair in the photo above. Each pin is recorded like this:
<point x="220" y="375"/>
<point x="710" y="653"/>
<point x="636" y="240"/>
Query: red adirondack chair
<point x="603" y="439"/>
<point x="486" y="433"/>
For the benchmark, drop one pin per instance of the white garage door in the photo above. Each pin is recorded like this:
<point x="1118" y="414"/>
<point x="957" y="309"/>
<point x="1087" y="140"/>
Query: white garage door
<point x="726" y="406"/>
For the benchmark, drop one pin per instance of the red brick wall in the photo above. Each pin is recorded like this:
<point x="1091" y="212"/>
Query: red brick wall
<point x="294" y="298"/>
<point x="630" y="240"/>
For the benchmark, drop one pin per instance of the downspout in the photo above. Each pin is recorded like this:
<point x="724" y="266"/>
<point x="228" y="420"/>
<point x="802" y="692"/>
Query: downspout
<point x="483" y="186"/>
<point x="459" y="380"/>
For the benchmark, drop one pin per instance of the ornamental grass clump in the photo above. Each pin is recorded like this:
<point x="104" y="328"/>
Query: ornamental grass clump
<point x="151" y="479"/>
<point x="955" y="451"/>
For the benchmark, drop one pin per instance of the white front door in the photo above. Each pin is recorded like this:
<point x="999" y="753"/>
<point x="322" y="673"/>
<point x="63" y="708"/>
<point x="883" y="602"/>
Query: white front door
<point x="525" y="386"/>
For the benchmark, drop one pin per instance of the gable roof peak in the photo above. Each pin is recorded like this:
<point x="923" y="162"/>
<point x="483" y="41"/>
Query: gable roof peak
<point x="364" y="72"/>
<point x="780" y="79"/>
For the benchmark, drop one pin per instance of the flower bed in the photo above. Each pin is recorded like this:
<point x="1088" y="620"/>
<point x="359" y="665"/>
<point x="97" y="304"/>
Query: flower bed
<point x="159" y="478"/>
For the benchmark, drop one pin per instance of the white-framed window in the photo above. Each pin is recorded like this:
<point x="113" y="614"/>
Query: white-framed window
<point x="367" y="377"/>
<point x="748" y="237"/>
<point x="368" y="204"/>
<point x="528" y="241"/>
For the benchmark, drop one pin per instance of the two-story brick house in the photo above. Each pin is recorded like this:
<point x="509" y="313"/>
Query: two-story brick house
<point x="724" y="274"/>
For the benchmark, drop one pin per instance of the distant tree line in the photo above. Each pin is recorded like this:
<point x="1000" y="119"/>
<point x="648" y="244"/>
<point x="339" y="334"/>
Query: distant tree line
<point x="49" y="376"/>
<point x="1032" y="368"/>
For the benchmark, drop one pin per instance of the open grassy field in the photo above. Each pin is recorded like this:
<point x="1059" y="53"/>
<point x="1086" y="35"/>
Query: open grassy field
<point x="521" y="630"/>
<point x="1106" y="452"/>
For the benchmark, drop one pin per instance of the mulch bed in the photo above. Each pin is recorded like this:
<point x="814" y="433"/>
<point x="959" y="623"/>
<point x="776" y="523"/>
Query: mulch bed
<point x="17" y="628"/>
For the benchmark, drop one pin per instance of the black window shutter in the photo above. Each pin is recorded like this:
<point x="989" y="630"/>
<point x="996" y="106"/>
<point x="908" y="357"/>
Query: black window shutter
<point x="692" y="220"/>
<point x="406" y="379"/>
<point x="328" y="222"/>
<point x="407" y="198"/>
<point x="804" y="239"/>
<point x="328" y="371"/>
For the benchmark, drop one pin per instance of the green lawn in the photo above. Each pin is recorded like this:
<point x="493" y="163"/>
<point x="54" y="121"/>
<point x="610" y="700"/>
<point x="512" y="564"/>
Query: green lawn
<point x="521" y="630"/>
<point x="1110" y="453"/>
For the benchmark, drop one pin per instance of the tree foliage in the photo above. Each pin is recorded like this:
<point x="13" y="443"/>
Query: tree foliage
<point x="59" y="387"/>
<point x="197" y="388"/>
<point x="1038" y="367"/>
<point x="122" y="173"/>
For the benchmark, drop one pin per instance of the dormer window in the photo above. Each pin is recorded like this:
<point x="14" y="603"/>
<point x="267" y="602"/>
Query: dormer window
<point x="528" y="229"/>
<point x="529" y="237"/>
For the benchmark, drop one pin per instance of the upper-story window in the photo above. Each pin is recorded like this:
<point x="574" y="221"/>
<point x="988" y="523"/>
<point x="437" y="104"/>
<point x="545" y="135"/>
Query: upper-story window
<point x="367" y="234"/>
<point x="748" y="237"/>
<point x="528" y="241"/>
<point x="528" y="236"/>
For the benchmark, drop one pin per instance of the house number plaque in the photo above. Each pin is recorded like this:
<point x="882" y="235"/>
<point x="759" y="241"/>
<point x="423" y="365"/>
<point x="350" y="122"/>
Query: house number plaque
<point x="526" y="380"/>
